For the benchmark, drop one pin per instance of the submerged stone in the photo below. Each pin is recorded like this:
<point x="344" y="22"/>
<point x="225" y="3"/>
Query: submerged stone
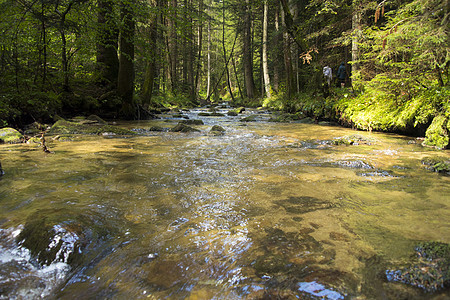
<point x="437" y="164"/>
<point x="50" y="242"/>
<point x="355" y="139"/>
<point x="192" y="122"/>
<point x="303" y="204"/>
<point x="430" y="270"/>
<point x="354" y="164"/>
<point x="10" y="136"/>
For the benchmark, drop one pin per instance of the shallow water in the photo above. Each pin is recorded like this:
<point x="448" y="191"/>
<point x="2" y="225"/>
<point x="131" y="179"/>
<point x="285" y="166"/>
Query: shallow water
<point x="266" y="210"/>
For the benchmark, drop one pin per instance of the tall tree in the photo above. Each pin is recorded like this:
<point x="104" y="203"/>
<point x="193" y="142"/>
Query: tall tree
<point x="107" y="43"/>
<point x="172" y="45"/>
<point x="152" y="53"/>
<point x="247" y="55"/>
<point x="264" y="50"/>
<point x="356" y="34"/>
<point x="125" y="82"/>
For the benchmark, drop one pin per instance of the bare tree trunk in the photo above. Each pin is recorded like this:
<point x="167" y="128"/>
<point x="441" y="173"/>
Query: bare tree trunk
<point x="264" y="51"/>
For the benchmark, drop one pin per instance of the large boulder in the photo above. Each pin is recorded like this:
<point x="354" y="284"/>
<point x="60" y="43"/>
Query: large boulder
<point x="180" y="127"/>
<point x="10" y="136"/>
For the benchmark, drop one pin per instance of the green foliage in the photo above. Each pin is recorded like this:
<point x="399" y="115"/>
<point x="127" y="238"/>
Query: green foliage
<point x="437" y="134"/>
<point x="170" y="100"/>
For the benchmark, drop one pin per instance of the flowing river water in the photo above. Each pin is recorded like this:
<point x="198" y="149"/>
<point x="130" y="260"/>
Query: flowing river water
<point x="264" y="211"/>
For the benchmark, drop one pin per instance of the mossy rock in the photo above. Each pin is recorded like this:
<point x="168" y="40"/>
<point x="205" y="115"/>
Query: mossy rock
<point x="10" y="136"/>
<point x="216" y="114"/>
<point x="437" y="164"/>
<point x="232" y="113"/>
<point x="251" y="118"/>
<point x="96" y="119"/>
<point x="67" y="127"/>
<point x="180" y="127"/>
<point x="217" y="130"/>
<point x="437" y="133"/>
<point x="156" y="128"/>
<point x="192" y="122"/>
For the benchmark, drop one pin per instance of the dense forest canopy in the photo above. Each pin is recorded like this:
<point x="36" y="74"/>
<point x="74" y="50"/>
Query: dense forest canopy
<point x="125" y="58"/>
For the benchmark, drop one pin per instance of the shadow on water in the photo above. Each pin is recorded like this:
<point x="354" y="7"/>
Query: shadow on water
<point x="264" y="211"/>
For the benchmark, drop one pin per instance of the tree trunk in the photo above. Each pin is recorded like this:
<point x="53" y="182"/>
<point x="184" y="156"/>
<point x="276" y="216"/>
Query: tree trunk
<point x="173" y="46"/>
<point x="277" y="60"/>
<point x="290" y="82"/>
<point x="150" y="71"/>
<point x="356" y="35"/>
<point x="225" y="53"/>
<point x="208" y="67"/>
<point x="264" y="51"/>
<point x="125" y="82"/>
<point x="65" y="63"/>
<point x="108" y="34"/>
<point x="199" y="53"/>
<point x="247" y="53"/>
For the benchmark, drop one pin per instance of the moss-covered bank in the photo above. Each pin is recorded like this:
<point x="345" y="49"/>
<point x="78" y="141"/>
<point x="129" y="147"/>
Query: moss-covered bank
<point x="426" y="112"/>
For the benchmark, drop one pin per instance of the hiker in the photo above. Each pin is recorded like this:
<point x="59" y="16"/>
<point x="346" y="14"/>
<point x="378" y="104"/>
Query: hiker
<point x="328" y="74"/>
<point x="341" y="74"/>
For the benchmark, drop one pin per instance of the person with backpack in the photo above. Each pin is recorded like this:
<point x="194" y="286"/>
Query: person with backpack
<point x="341" y="74"/>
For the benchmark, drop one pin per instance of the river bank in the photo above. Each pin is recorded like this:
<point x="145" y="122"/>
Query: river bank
<point x="423" y="113"/>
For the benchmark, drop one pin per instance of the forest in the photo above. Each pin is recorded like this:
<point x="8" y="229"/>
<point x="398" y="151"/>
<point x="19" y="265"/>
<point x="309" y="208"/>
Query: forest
<point x="127" y="59"/>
